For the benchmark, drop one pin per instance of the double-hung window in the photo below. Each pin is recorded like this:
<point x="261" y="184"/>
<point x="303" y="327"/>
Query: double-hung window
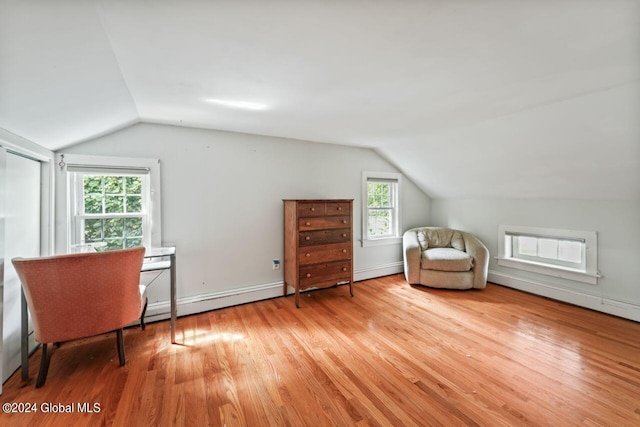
<point x="380" y="208"/>
<point x="113" y="203"/>
<point x="568" y="254"/>
<point x="111" y="209"/>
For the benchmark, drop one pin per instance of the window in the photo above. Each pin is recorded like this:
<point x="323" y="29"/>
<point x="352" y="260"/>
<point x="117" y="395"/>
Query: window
<point x="381" y="216"/>
<point x="568" y="254"/>
<point x="111" y="210"/>
<point x="546" y="250"/>
<point x="113" y="203"/>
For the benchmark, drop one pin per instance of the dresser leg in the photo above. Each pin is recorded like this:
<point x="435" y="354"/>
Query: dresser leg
<point x="351" y="288"/>
<point x="297" y="298"/>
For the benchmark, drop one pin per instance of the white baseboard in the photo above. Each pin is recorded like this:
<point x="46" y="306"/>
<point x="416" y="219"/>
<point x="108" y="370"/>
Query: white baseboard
<point x="593" y="302"/>
<point x="377" y="271"/>
<point x="214" y="300"/>
<point x="220" y="299"/>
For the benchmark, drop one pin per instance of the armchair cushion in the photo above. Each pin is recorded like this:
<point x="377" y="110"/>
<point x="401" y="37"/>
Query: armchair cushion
<point x="440" y="238"/>
<point x="446" y="259"/>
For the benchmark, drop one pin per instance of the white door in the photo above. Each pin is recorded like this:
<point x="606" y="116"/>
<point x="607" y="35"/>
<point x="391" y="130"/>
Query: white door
<point x="22" y="185"/>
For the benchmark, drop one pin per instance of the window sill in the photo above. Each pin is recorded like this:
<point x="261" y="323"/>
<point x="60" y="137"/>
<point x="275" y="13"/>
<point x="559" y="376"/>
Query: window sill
<point x="381" y="241"/>
<point x="549" y="270"/>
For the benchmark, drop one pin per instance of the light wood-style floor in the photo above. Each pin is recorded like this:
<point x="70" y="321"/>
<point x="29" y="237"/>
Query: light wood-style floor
<point x="393" y="355"/>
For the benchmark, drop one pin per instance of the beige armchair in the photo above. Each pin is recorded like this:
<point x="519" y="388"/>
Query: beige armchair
<point x="444" y="258"/>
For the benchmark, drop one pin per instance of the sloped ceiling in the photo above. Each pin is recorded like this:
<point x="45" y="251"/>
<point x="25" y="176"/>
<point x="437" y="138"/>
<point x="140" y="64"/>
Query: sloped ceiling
<point x="469" y="98"/>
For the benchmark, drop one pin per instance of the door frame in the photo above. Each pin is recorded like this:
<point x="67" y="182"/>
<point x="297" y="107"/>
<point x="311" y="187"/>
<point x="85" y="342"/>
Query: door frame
<point x="10" y="143"/>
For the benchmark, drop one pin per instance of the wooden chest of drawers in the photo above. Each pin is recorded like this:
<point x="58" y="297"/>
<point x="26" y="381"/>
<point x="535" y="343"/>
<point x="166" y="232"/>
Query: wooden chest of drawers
<point x="318" y="244"/>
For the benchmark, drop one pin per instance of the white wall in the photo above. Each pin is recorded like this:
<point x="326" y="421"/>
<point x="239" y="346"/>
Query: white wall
<point x="222" y="205"/>
<point x="616" y="222"/>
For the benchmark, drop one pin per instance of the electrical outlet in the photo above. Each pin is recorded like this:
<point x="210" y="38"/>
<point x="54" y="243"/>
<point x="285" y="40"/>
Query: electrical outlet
<point x="276" y="264"/>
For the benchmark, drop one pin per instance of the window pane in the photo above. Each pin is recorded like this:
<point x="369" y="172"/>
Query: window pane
<point x="113" y="184"/>
<point x="132" y="243"/>
<point x="114" y="244"/>
<point x="113" y="227"/>
<point x="527" y="245"/>
<point x="379" y="222"/>
<point x="570" y="251"/>
<point x="92" y="185"/>
<point x="114" y="204"/>
<point x="133" y="227"/>
<point x="93" y="204"/>
<point x="548" y="248"/>
<point x="92" y="230"/>
<point x="134" y="204"/>
<point x="133" y="185"/>
<point x="371" y="192"/>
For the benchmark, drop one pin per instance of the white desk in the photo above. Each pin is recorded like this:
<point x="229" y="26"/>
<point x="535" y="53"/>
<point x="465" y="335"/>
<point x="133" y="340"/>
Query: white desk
<point x="165" y="252"/>
<point x="162" y="253"/>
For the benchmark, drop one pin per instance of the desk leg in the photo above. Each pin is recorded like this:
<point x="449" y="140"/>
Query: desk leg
<point x="24" y="344"/>
<point x="173" y="299"/>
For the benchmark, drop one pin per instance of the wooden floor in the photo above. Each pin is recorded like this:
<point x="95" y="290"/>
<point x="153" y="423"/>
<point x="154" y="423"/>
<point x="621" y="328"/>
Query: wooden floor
<point x="393" y="355"/>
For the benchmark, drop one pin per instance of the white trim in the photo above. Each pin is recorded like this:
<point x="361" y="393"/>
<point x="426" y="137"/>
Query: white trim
<point x="372" y="272"/>
<point x="46" y="157"/>
<point x="214" y="300"/>
<point x="391" y="240"/>
<point x="21" y="145"/>
<point x="590" y="275"/>
<point x="605" y="305"/>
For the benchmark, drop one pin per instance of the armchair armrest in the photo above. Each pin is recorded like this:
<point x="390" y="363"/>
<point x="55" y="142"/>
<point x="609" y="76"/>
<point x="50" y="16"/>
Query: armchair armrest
<point x="480" y="254"/>
<point x="412" y="255"/>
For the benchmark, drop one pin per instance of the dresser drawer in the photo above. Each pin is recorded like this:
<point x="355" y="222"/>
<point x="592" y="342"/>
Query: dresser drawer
<point x="338" y="208"/>
<point x="324" y="253"/>
<point x="321" y="223"/>
<point x="328" y="274"/>
<point x="324" y="237"/>
<point x="307" y="210"/>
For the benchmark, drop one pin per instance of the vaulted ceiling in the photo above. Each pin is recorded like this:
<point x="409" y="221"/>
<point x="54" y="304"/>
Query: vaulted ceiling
<point x="469" y="98"/>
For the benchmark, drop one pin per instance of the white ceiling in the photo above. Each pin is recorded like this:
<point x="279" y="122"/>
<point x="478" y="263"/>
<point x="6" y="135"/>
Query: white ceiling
<point x="475" y="98"/>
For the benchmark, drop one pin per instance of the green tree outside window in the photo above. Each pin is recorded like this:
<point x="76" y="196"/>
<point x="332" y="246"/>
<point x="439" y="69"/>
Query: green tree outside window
<point x="113" y="194"/>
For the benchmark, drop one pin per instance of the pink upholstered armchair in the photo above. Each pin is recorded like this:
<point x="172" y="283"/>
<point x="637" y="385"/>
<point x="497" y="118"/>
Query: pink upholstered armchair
<point x="81" y="295"/>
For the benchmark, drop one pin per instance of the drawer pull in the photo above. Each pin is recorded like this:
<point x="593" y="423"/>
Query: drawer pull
<point x="307" y="223"/>
<point x="339" y="208"/>
<point x="344" y="221"/>
<point x="344" y="268"/>
<point x="307" y="238"/>
<point x="313" y="209"/>
<point x="307" y="254"/>
<point x="344" y="251"/>
<point x="308" y="274"/>
<point x="344" y="234"/>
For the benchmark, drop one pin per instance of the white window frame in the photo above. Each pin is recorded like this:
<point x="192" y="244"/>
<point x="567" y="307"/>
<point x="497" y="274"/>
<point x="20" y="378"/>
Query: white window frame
<point x="588" y="274"/>
<point x="396" y="238"/>
<point x="72" y="166"/>
<point x="79" y="216"/>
